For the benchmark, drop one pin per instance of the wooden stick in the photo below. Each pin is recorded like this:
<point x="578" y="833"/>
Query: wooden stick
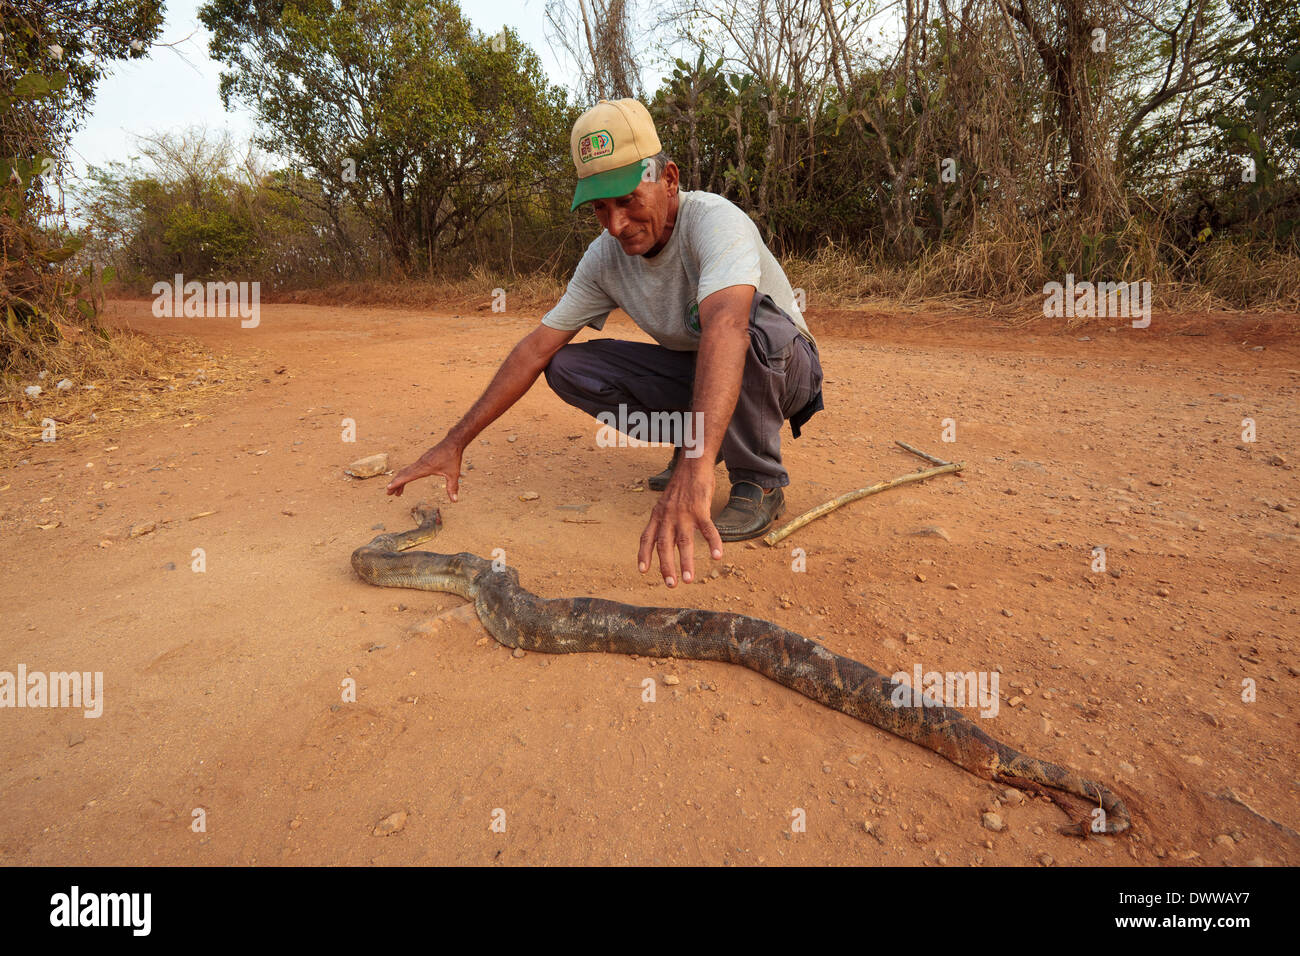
<point x="772" y="538"/>
<point x="920" y="454"/>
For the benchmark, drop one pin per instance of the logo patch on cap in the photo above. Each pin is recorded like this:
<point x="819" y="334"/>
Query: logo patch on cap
<point x="595" y="145"/>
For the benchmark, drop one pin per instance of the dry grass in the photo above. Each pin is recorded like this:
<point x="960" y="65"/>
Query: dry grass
<point x="1251" y="277"/>
<point x="988" y="271"/>
<point x="471" y="291"/>
<point x="115" y="382"/>
<point x="1005" y="274"/>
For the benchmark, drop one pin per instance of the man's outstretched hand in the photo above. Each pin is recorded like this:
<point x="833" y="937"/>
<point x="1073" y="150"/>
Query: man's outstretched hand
<point x="442" y="459"/>
<point x="681" y="510"/>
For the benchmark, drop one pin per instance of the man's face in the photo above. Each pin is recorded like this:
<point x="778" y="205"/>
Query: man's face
<point x="640" y="220"/>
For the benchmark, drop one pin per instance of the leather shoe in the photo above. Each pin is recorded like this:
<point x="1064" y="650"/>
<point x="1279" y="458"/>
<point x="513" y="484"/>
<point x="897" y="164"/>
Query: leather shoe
<point x="750" y="511"/>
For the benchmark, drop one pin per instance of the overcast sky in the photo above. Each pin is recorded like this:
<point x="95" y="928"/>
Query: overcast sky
<point x="177" y="88"/>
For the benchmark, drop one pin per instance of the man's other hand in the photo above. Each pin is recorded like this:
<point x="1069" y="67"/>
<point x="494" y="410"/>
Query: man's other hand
<point x="681" y="510"/>
<point x="442" y="459"/>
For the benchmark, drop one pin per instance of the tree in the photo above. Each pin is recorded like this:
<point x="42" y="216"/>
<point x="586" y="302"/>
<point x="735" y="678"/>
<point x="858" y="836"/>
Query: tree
<point x="423" y="123"/>
<point x="598" y="36"/>
<point x="52" y="54"/>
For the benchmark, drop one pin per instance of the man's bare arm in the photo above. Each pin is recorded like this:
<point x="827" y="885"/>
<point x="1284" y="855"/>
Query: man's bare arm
<point x="685" y="504"/>
<point x="515" y="377"/>
<point x="719" y="367"/>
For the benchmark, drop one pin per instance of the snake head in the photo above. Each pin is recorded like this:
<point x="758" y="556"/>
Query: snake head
<point x="427" y="515"/>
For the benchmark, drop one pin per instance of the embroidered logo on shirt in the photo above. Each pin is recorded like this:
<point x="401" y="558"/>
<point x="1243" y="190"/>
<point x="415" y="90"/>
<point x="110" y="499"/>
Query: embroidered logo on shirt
<point x="693" y="318"/>
<point x="595" y="145"/>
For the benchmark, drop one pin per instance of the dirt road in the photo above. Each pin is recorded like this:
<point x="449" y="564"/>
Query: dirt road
<point x="225" y="736"/>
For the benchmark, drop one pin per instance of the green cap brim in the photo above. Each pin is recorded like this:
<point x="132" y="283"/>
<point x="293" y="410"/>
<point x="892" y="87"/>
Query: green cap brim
<point x="609" y="185"/>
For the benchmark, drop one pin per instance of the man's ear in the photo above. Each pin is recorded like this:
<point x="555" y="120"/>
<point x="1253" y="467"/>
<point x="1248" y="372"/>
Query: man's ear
<point x="672" y="176"/>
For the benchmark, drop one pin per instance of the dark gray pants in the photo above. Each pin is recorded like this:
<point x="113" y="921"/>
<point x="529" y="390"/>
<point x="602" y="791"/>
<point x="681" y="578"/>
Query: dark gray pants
<point x="782" y="379"/>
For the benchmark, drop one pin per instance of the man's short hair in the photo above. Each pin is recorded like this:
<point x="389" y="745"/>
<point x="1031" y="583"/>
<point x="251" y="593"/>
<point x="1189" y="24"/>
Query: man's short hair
<point x="655" y="165"/>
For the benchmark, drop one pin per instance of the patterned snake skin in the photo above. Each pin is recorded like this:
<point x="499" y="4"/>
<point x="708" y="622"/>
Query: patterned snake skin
<point x="517" y="618"/>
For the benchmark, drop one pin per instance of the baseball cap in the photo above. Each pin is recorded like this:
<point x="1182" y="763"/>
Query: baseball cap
<point x="609" y="142"/>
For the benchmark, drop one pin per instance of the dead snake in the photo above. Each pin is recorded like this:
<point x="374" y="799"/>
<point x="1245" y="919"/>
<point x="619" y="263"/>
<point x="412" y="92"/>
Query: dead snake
<point x="518" y="618"/>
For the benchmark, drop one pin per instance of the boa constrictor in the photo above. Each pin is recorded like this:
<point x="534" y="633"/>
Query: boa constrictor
<point x="518" y="618"/>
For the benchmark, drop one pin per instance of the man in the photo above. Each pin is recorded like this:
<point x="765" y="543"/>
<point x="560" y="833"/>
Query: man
<point x="734" y="358"/>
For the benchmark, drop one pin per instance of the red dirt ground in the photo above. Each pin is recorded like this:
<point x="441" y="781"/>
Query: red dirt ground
<point x="222" y="689"/>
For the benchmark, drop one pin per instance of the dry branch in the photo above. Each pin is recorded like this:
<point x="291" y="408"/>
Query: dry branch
<point x="942" y="468"/>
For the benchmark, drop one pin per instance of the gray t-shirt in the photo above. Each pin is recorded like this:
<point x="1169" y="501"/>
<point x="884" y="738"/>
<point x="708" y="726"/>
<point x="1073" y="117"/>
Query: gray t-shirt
<point x="714" y="245"/>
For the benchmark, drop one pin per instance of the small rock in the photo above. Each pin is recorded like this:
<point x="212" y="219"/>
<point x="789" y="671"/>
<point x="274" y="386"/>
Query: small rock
<point x="169" y="566"/>
<point x="1224" y="839"/>
<point x="1162" y="592"/>
<point x="1045" y="859"/>
<point x="993" y="821"/>
<point x="911" y="637"/>
<point x="1006" y="613"/>
<point x="393" y="823"/>
<point x="147" y="527"/>
<point x="931" y="531"/>
<point x="1277" y="461"/>
<point x="529" y="496"/>
<point x="294" y="824"/>
<point x="920" y="577"/>
<point x="672" y="680"/>
<point x="512" y="438"/>
<point x="368" y="467"/>
<point x="377" y="527"/>
<point x="518" y="652"/>
<point x="76" y="737"/>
